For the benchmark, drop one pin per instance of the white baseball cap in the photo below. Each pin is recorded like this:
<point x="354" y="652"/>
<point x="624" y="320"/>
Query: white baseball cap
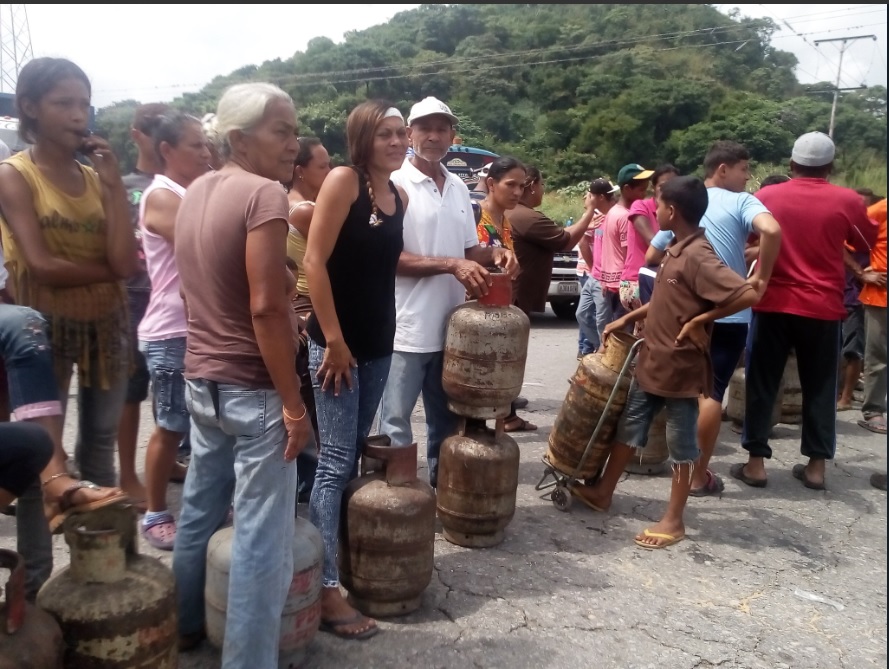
<point x="430" y="106"/>
<point x="814" y="149"/>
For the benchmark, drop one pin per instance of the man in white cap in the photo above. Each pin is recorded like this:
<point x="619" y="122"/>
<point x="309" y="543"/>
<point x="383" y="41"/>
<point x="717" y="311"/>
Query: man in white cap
<point x="441" y="262"/>
<point x="802" y="309"/>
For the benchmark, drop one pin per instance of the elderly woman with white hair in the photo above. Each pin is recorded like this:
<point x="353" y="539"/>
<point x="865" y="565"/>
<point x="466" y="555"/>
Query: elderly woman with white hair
<point x="248" y="420"/>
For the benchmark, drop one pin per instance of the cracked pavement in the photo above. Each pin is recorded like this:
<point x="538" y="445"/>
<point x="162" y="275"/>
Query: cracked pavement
<point x="571" y="590"/>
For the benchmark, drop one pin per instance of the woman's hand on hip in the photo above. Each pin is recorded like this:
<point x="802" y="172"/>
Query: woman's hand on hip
<point x="336" y="367"/>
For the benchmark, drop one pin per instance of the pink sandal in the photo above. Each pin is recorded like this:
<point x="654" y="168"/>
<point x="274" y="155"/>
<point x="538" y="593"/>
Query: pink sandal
<point x="160" y="533"/>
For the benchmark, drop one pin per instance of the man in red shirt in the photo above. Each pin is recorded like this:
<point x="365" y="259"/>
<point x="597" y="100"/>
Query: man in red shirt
<point x="802" y="308"/>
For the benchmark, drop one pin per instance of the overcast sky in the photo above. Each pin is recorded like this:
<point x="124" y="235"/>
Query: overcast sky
<point x="157" y="52"/>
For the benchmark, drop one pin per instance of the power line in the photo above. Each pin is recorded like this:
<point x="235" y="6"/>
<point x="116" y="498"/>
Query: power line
<point x="332" y="77"/>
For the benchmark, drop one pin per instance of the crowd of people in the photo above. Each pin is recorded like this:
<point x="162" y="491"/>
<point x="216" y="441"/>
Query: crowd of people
<point x="275" y="305"/>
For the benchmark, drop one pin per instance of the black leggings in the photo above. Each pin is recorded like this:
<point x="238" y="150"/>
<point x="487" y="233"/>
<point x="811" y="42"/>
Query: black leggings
<point x="25" y="450"/>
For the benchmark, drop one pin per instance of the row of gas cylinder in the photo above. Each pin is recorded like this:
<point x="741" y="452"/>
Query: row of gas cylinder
<point x="115" y="608"/>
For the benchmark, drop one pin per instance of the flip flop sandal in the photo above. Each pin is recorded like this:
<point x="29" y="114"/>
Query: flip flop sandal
<point x="159" y="533"/>
<point x="844" y="407"/>
<point x="714" y="486"/>
<point x="669" y="540"/>
<point x="334" y="627"/>
<point x="799" y="472"/>
<point x="737" y="471"/>
<point x="876" y="424"/>
<point x="64" y="506"/>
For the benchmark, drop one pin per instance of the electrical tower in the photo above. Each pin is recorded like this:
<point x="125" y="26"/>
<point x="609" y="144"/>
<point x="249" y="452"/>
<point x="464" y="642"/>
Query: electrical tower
<point x="15" y="44"/>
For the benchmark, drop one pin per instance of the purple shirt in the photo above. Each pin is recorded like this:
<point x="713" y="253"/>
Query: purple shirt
<point x="853" y="286"/>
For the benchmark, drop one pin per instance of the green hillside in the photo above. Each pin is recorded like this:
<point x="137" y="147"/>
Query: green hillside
<point x="576" y="89"/>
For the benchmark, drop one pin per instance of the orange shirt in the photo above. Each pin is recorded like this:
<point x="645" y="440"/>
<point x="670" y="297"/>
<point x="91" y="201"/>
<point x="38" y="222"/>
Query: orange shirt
<point x="872" y="295"/>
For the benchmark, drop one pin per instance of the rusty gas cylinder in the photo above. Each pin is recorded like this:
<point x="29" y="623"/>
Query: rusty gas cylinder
<point x="653" y="458"/>
<point x="478" y="475"/>
<point x="736" y="404"/>
<point x="486" y="346"/>
<point x="116" y="608"/>
<point x="588" y="393"/>
<point x="29" y="637"/>
<point x="302" y="609"/>
<point x="387" y="534"/>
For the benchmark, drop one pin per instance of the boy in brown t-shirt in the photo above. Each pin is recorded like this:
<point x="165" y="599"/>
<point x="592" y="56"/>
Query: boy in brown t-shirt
<point x="693" y="289"/>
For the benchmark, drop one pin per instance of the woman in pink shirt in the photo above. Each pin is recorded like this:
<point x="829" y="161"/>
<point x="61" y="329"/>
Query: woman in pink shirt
<point x="185" y="155"/>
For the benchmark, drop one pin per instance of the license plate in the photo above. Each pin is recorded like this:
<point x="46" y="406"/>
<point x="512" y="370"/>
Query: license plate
<point x="569" y="287"/>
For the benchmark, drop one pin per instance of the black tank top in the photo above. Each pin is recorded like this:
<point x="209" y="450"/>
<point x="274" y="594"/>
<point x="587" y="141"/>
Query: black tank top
<point x="362" y="277"/>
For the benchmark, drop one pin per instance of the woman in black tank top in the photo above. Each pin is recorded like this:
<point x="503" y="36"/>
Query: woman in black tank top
<point x="351" y="255"/>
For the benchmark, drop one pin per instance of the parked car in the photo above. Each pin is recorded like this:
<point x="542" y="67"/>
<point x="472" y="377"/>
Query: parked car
<point x="564" y="285"/>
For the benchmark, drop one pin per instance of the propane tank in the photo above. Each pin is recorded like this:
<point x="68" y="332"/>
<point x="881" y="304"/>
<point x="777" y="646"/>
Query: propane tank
<point x="588" y="393"/>
<point x="791" y="399"/>
<point x="737" y="400"/>
<point x="29" y="637"/>
<point x="478" y="475"/>
<point x="387" y="533"/>
<point x="486" y="346"/>
<point x="116" y="608"/>
<point x="302" y="609"/>
<point x="653" y="458"/>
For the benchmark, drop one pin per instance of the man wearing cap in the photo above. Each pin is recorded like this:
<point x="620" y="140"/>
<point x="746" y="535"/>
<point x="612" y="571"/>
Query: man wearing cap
<point x="802" y="309"/>
<point x="632" y="180"/>
<point x="593" y="313"/>
<point x="441" y="262"/>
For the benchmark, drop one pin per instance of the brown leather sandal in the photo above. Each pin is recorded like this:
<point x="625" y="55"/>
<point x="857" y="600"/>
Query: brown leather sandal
<point x="64" y="506"/>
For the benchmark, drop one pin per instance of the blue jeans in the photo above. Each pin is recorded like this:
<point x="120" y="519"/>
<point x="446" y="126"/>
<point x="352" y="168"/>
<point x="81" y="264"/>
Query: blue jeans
<point x="588" y="311"/>
<point x="343" y="424"/>
<point x="411" y="374"/>
<point x="237" y="441"/>
<point x="166" y="364"/>
<point x="584" y="345"/>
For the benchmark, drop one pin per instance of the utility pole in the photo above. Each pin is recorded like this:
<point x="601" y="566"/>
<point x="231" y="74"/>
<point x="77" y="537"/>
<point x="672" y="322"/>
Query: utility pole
<point x="836" y="93"/>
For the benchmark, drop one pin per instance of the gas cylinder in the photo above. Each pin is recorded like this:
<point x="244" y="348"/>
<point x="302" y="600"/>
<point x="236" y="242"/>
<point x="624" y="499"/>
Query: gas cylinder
<point x="486" y="346"/>
<point x="116" y="608"/>
<point x="588" y="393"/>
<point x="29" y="637"/>
<point x="792" y="398"/>
<point x="653" y="458"/>
<point x="737" y="400"/>
<point x="387" y="533"/>
<point x="302" y="609"/>
<point x="478" y="475"/>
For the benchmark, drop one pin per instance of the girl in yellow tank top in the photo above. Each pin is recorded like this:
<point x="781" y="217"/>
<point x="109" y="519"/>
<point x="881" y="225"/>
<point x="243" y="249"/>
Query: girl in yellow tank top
<point x="68" y="243"/>
<point x="310" y="168"/>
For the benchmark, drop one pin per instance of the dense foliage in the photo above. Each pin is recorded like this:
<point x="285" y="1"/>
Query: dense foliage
<point x="576" y="89"/>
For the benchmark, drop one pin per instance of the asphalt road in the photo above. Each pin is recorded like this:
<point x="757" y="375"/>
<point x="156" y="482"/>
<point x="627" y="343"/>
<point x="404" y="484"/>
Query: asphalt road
<point x="766" y="579"/>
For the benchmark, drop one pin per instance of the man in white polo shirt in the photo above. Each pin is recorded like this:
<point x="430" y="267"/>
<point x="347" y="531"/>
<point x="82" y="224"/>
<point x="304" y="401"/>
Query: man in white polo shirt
<point x="441" y="262"/>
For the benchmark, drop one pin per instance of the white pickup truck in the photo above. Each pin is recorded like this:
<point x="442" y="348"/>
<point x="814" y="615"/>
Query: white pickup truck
<point x="564" y="285"/>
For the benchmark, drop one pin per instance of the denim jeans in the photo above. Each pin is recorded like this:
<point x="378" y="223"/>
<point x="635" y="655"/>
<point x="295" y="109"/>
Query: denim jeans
<point x="33" y="392"/>
<point x="411" y="374"/>
<point x="587" y="313"/>
<point x="584" y="345"/>
<point x="343" y="424"/>
<point x="166" y="364"/>
<point x="237" y="441"/>
<point x="26" y="353"/>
